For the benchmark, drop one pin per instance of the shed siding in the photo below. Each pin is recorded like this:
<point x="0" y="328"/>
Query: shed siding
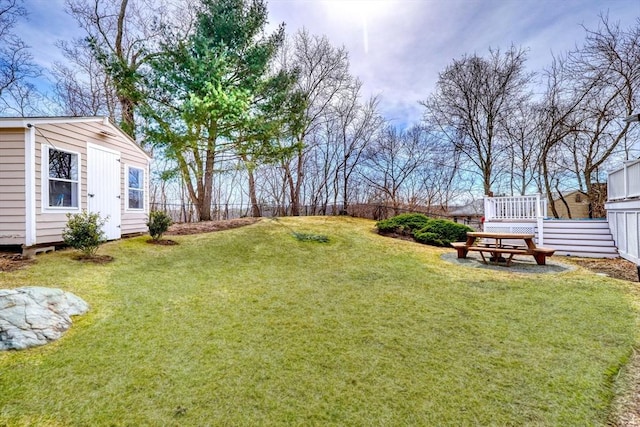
<point x="74" y="136"/>
<point x="49" y="225"/>
<point x="12" y="197"/>
<point x="134" y="221"/>
<point x="579" y="209"/>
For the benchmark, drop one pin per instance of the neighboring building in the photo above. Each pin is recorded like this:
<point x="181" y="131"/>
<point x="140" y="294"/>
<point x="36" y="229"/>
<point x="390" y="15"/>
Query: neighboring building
<point x="578" y="203"/>
<point x="52" y="166"/>
<point x="470" y="214"/>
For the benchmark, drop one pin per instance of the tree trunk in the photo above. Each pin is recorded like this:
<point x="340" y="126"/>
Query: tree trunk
<point x="547" y="185"/>
<point x="255" y="207"/>
<point x="200" y="195"/>
<point x="127" y="104"/>
<point x="345" y="192"/>
<point x="295" y="187"/>
<point x="486" y="179"/>
<point x="127" y="122"/>
<point x="206" y="188"/>
<point x="292" y="191"/>
<point x="597" y="198"/>
<point x="563" y="200"/>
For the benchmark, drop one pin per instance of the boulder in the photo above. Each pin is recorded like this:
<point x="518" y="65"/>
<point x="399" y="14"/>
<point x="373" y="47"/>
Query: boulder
<point x="34" y="315"/>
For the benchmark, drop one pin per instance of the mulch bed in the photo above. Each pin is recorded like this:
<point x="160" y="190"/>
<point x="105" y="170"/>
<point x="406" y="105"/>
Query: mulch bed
<point x="162" y="242"/>
<point x="519" y="264"/>
<point x="185" y="228"/>
<point x="95" y="259"/>
<point x="11" y="261"/>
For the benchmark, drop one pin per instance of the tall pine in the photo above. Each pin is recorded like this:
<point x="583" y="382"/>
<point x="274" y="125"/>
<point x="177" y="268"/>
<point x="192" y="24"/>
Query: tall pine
<point x="214" y="95"/>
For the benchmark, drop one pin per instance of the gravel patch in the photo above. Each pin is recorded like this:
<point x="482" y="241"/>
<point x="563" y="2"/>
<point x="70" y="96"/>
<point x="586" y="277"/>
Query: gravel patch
<point x="519" y="264"/>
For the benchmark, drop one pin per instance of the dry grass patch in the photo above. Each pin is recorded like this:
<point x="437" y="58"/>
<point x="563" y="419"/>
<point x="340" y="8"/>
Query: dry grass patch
<point x="617" y="268"/>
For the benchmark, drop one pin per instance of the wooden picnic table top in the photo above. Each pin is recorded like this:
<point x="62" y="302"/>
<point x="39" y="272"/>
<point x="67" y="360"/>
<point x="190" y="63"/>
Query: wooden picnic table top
<point x="493" y="235"/>
<point x="498" y="247"/>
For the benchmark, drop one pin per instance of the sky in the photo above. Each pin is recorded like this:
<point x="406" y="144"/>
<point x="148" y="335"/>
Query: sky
<point x="398" y="47"/>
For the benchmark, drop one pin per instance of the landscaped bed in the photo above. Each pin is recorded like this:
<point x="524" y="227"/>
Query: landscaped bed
<point x="254" y="327"/>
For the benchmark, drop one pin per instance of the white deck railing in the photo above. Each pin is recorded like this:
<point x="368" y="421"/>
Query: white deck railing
<point x="624" y="183"/>
<point x="515" y="207"/>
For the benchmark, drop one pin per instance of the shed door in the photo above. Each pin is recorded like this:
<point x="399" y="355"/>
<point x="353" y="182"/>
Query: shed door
<point x="103" y="188"/>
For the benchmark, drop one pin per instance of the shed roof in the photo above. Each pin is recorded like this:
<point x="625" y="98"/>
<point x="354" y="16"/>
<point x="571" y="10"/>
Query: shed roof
<point x="27" y="122"/>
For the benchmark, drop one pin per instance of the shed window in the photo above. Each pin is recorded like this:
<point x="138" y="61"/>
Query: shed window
<point x="63" y="179"/>
<point x="135" y="185"/>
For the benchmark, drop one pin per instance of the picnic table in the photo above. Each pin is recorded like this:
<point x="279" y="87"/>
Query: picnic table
<point x="497" y="245"/>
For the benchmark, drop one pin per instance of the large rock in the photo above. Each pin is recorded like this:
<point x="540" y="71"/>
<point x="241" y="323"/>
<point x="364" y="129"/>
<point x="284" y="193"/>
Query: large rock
<point x="34" y="315"/>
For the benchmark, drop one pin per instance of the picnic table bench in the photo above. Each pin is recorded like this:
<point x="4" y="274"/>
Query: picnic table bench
<point x="499" y="244"/>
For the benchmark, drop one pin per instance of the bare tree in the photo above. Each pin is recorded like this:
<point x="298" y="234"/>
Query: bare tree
<point x="609" y="68"/>
<point x="323" y="75"/>
<point x="523" y="153"/>
<point x="471" y="105"/>
<point x="556" y="118"/>
<point x="580" y="118"/>
<point x="439" y="176"/>
<point x="16" y="62"/>
<point x="83" y="88"/>
<point x="356" y="125"/>
<point x="391" y="161"/>
<point x="321" y="166"/>
<point x="122" y="35"/>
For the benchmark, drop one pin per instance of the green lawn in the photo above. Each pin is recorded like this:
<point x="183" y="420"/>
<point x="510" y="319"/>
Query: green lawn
<point x="253" y="327"/>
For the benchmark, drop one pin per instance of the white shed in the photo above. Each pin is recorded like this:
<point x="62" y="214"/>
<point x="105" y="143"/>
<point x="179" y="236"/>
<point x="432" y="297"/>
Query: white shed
<point x="51" y="166"/>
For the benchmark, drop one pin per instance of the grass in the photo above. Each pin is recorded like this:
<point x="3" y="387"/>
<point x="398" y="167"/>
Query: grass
<point x="252" y="327"/>
<point x="310" y="237"/>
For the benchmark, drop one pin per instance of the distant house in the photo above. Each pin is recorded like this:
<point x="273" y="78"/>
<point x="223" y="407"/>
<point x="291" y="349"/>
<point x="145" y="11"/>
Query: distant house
<point x="470" y="214"/>
<point x="579" y="204"/>
<point x="577" y="201"/>
<point x="51" y="166"/>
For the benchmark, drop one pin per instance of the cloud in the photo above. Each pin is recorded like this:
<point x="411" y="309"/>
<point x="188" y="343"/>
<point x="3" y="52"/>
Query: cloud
<point x="410" y="42"/>
<point x="47" y="23"/>
<point x="398" y="47"/>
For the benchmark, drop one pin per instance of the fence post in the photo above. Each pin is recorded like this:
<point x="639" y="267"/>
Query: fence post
<point x="488" y="212"/>
<point x="540" y="219"/>
<point x="625" y="177"/>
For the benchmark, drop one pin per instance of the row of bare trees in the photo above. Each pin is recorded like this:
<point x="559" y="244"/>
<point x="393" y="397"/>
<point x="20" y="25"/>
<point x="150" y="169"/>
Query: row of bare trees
<point x="225" y="129"/>
<point x="567" y="136"/>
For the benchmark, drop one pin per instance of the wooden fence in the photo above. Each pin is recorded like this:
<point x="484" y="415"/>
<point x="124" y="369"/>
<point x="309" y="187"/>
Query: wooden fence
<point x="185" y="212"/>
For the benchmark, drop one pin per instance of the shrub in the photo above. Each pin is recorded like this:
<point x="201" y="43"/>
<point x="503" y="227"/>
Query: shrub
<point x="429" y="238"/>
<point x="84" y="232"/>
<point x="158" y="224"/>
<point x="403" y="223"/>
<point x="441" y="232"/>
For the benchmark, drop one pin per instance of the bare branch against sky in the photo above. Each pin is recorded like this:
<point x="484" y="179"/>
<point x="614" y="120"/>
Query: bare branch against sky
<point x="397" y="47"/>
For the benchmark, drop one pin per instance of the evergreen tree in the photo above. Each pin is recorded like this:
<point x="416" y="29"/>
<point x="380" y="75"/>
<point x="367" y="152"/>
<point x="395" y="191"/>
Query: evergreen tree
<point x="214" y="95"/>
